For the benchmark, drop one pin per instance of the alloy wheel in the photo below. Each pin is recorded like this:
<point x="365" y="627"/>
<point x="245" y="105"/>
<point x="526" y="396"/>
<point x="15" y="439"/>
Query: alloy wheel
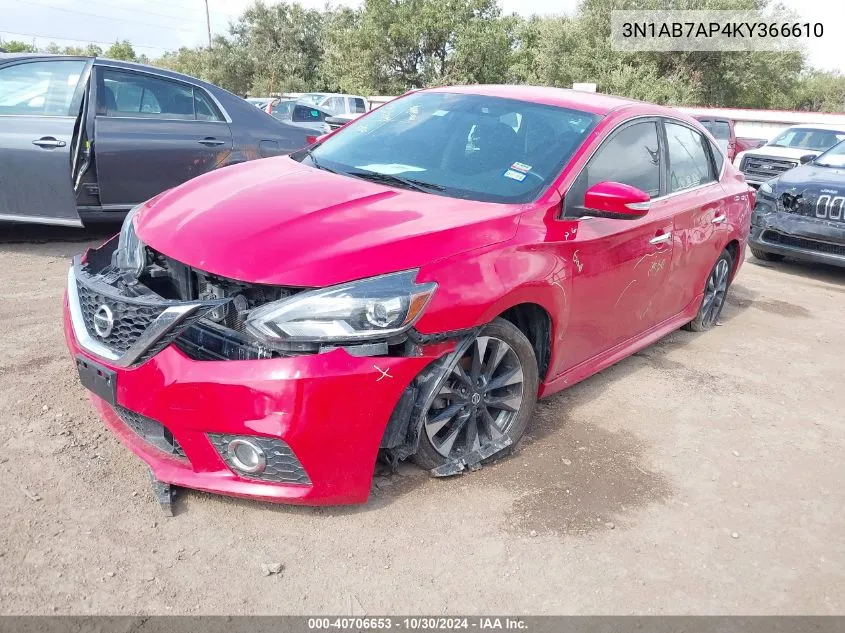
<point x="714" y="293"/>
<point x="479" y="399"/>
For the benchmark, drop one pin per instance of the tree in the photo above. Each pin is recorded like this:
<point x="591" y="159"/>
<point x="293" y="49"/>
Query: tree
<point x="820" y="91"/>
<point x="15" y="46"/>
<point x="282" y="43"/>
<point x="121" y="50"/>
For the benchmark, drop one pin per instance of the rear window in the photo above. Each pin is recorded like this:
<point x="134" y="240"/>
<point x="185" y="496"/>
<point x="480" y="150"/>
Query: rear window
<point x="719" y="129"/>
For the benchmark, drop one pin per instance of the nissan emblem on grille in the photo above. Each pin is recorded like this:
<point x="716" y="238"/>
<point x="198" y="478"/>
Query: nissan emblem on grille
<point x="103" y="321"/>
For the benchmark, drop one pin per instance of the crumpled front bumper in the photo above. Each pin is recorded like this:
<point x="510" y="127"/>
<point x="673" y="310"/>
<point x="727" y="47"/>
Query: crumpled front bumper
<point x="797" y="236"/>
<point x="330" y="408"/>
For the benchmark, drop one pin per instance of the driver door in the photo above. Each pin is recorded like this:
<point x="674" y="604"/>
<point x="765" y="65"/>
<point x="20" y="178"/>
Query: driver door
<point x="40" y="103"/>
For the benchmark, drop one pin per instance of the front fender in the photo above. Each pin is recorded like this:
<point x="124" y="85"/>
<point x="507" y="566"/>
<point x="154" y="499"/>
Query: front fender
<point x="476" y="287"/>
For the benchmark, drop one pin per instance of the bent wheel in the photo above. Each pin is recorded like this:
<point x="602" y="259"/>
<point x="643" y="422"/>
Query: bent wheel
<point x="715" y="291"/>
<point x="485" y="395"/>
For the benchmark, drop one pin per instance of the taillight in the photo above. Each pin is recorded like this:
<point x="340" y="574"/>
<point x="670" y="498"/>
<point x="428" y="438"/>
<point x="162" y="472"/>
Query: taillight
<point x="310" y="139"/>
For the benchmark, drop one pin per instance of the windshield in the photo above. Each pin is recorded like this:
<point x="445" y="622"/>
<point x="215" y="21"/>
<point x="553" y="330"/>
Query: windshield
<point x="834" y="157"/>
<point x="458" y="145"/>
<point x="720" y="130"/>
<point x="808" y="138"/>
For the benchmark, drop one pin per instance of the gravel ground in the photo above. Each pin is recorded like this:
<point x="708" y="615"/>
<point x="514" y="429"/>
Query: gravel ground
<point x="702" y="475"/>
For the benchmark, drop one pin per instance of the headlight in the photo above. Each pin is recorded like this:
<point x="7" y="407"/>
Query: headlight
<point x="768" y="187"/>
<point x="130" y="256"/>
<point x="375" y="308"/>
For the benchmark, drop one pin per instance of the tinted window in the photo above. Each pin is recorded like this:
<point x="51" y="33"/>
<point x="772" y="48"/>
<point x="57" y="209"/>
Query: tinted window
<point x="39" y="88"/>
<point x="466" y="146"/>
<point x="721" y="130"/>
<point x="204" y="107"/>
<point x="358" y="105"/>
<point x="718" y="157"/>
<point x="631" y="156"/>
<point x="304" y="113"/>
<point x="689" y="162"/>
<point x="137" y="95"/>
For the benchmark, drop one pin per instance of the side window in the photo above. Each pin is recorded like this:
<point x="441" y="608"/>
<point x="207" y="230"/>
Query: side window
<point x="358" y="105"/>
<point x="39" y="88"/>
<point x="689" y="162"/>
<point x="631" y="156"/>
<point x="718" y="157"/>
<point x="137" y="95"/>
<point x="303" y="113"/>
<point x="204" y="107"/>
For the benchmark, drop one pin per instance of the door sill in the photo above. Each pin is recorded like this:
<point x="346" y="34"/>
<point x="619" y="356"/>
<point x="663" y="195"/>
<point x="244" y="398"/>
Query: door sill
<point x="620" y="351"/>
<point x="40" y="219"/>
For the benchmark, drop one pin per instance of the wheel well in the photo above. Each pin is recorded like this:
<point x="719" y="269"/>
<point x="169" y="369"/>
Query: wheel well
<point x="533" y="321"/>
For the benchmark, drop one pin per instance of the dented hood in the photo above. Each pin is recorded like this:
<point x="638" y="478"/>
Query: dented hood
<point x="276" y="221"/>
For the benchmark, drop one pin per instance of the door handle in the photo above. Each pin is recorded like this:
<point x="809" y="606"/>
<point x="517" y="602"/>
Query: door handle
<point x="719" y="219"/>
<point x="211" y="142"/>
<point x="48" y="141"/>
<point x="661" y="239"/>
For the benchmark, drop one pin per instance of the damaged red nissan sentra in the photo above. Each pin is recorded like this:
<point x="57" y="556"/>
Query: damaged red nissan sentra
<point x="409" y="284"/>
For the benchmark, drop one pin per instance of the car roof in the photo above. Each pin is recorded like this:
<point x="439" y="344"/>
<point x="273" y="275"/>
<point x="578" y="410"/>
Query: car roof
<point x="112" y="63"/>
<point x="818" y="126"/>
<point x="592" y="102"/>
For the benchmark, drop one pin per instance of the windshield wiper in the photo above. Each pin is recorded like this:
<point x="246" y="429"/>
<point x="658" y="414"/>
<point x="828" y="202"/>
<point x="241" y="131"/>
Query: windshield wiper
<point x="408" y="183"/>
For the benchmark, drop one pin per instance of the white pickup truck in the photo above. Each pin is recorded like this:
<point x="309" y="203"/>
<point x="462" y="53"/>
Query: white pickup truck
<point x="787" y="150"/>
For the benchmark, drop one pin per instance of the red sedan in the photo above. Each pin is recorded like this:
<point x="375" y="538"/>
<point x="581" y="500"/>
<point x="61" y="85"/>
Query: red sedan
<point x="410" y="284"/>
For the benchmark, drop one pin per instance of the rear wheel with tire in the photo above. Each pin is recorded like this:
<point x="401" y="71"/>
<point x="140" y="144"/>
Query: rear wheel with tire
<point x="765" y="255"/>
<point x="485" y="395"/>
<point x="715" y="291"/>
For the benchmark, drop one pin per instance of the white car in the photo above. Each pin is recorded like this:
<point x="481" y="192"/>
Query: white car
<point x="786" y="150"/>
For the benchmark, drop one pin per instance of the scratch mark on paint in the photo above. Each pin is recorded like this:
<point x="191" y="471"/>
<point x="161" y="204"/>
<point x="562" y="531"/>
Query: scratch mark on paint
<point x="640" y="261"/>
<point x="557" y="278"/>
<point x="384" y="373"/>
<point x="656" y="267"/>
<point x="624" y="290"/>
<point x="577" y="261"/>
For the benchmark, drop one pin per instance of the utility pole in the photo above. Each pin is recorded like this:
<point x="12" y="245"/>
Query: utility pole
<point x="208" y="23"/>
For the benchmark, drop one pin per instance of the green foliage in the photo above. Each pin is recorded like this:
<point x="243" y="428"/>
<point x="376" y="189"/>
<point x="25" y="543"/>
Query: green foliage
<point x="121" y="50"/>
<point x="389" y="46"/>
<point x="15" y="46"/>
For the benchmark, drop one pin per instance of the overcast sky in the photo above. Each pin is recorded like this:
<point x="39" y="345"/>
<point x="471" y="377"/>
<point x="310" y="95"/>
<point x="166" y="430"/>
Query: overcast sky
<point x="155" y="26"/>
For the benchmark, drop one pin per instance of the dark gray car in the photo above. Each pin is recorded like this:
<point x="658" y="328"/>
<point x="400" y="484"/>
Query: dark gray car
<point x="85" y="139"/>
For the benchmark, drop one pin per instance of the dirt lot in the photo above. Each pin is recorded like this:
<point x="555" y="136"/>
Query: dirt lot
<point x="703" y="475"/>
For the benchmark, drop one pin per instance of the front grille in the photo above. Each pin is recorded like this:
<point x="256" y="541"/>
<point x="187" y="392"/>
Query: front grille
<point x="282" y="465"/>
<point x="773" y="237"/>
<point x="150" y="430"/>
<point x="761" y="168"/>
<point x="209" y="341"/>
<point x="130" y="319"/>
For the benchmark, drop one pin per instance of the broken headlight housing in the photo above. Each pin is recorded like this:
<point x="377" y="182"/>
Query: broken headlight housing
<point x="130" y="256"/>
<point x="768" y="187"/>
<point x="377" y="308"/>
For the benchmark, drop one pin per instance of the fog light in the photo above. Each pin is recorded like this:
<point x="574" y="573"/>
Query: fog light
<point x="246" y="456"/>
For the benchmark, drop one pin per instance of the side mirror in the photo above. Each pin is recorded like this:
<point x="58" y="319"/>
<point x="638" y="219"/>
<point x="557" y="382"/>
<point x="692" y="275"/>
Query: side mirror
<point x="617" y="200"/>
<point x="807" y="158"/>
